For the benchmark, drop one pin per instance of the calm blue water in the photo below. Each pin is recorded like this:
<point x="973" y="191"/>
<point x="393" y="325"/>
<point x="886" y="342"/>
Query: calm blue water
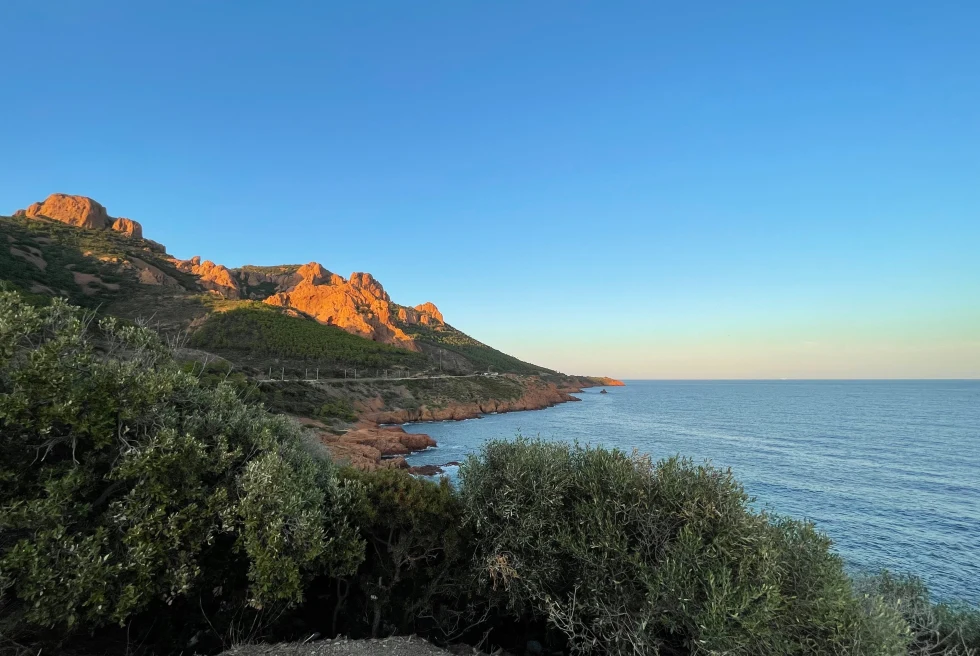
<point x="889" y="469"/>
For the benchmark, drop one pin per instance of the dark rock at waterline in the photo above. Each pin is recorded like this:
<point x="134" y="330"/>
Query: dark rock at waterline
<point x="431" y="470"/>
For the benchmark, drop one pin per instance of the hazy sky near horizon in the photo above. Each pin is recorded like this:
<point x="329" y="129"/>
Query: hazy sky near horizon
<point x="644" y="190"/>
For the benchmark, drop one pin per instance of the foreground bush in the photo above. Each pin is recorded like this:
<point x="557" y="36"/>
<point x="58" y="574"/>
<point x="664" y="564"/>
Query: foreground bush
<point x="127" y="486"/>
<point x="135" y="493"/>
<point x="625" y="556"/>
<point x="418" y="552"/>
<point x="936" y="629"/>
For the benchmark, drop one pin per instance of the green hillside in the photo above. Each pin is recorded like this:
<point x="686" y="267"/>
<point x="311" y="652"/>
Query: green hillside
<point x="482" y="357"/>
<point x="44" y="256"/>
<point x="254" y="332"/>
<point x="100" y="269"/>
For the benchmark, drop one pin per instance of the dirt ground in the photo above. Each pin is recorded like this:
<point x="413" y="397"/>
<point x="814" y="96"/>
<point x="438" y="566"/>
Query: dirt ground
<point x="398" y="646"/>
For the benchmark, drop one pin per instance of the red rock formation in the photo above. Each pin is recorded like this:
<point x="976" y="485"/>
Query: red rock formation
<point x="360" y="305"/>
<point x="431" y="312"/>
<point x="373" y="448"/>
<point x="606" y="381"/>
<point x="213" y="277"/>
<point x="426" y="314"/>
<point x="286" y="278"/>
<point x="315" y="274"/>
<point x="79" y="211"/>
<point x="128" y="227"/>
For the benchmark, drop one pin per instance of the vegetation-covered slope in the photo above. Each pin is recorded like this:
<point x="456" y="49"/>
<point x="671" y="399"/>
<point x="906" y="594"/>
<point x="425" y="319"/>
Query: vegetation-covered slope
<point x="256" y="333"/>
<point x="45" y="257"/>
<point x="480" y="356"/>
<point x="295" y="324"/>
<point x="131" y="277"/>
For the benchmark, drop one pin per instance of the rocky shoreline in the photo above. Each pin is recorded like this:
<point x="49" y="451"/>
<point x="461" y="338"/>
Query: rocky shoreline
<point x="378" y="441"/>
<point x="536" y="398"/>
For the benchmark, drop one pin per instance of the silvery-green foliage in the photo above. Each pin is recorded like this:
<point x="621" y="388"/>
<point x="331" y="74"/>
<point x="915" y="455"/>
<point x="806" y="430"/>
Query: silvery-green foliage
<point x="627" y="556"/>
<point x="936" y="629"/>
<point x="120" y="475"/>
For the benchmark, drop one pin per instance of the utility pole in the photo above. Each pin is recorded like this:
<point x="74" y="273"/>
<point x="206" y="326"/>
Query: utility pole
<point x="318" y="373"/>
<point x="282" y="374"/>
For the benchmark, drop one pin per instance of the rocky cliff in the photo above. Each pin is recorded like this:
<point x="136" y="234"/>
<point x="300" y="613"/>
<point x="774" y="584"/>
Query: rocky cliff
<point x="359" y="304"/>
<point x="81" y="212"/>
<point x="284" y="319"/>
<point x="600" y="381"/>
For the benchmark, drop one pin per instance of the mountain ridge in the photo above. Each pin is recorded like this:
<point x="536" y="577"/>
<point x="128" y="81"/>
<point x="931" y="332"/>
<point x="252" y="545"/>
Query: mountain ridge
<point x="335" y="353"/>
<point x="358" y="304"/>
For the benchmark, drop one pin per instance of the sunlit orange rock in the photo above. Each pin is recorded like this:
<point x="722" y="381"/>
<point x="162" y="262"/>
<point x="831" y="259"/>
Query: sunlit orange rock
<point x="359" y="305"/>
<point x="79" y="211"/>
<point x="128" y="227"/>
<point x="373" y="448"/>
<point x="426" y="314"/>
<point x="430" y="312"/>
<point x="370" y="286"/>
<point x="211" y="276"/>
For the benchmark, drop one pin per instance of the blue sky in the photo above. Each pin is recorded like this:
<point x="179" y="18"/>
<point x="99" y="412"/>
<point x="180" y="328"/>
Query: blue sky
<point x="763" y="189"/>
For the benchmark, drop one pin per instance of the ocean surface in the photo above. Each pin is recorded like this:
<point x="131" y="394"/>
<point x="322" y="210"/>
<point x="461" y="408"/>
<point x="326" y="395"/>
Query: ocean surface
<point x="889" y="469"/>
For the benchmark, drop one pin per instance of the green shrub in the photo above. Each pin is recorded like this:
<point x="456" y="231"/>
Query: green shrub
<point x="337" y="409"/>
<point x="261" y="330"/>
<point x="944" y="628"/>
<point x="417" y="550"/>
<point x="127" y="486"/>
<point x="625" y="556"/>
<point x="213" y="373"/>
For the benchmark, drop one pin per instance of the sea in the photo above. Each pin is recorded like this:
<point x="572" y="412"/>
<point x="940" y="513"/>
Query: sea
<point x="890" y="470"/>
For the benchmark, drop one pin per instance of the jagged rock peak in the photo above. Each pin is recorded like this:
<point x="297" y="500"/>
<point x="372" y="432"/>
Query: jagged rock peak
<point x="128" y="227"/>
<point x="367" y="282"/>
<point x="79" y="211"/>
<point x="82" y="212"/>
<point x="430" y="309"/>
<point x="315" y="274"/>
<point x="213" y="277"/>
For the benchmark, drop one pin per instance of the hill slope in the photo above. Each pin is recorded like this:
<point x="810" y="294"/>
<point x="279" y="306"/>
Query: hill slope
<point x="70" y="246"/>
<point x="308" y="341"/>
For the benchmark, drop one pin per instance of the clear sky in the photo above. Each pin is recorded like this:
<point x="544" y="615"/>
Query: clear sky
<point x="638" y="189"/>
